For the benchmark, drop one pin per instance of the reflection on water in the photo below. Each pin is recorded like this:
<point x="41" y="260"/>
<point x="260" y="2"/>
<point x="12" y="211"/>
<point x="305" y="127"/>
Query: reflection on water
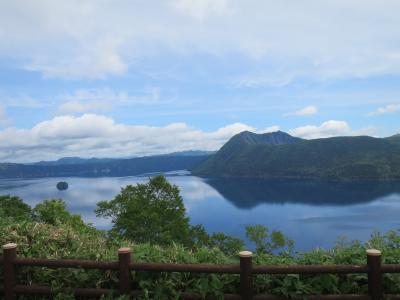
<point x="312" y="213"/>
<point x="248" y="193"/>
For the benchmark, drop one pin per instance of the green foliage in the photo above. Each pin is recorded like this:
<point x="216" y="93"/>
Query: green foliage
<point x="227" y="244"/>
<point x="266" y="242"/>
<point x="67" y="242"/>
<point x="337" y="158"/>
<point x="14" y="207"/>
<point x="230" y="246"/>
<point x="152" y="212"/>
<point x="64" y="241"/>
<point x="199" y="235"/>
<point x="54" y="212"/>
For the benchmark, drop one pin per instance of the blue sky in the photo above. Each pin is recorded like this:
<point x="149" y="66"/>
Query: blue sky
<point x="126" y="78"/>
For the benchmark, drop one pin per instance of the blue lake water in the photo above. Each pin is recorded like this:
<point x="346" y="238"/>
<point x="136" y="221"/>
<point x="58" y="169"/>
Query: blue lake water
<point x="312" y="213"/>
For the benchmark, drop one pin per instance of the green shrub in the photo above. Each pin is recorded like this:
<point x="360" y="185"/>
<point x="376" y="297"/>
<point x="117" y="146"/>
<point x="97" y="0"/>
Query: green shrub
<point x="13" y="207"/>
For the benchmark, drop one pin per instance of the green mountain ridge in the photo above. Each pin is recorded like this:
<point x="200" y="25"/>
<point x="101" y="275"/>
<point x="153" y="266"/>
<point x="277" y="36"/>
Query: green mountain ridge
<point x="337" y="158"/>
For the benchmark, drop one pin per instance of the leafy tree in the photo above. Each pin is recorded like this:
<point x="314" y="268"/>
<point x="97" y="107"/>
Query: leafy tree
<point x="258" y="234"/>
<point x="265" y="241"/>
<point x="199" y="236"/>
<point x="14" y="207"/>
<point x="152" y="212"/>
<point x="227" y="244"/>
<point x="54" y="212"/>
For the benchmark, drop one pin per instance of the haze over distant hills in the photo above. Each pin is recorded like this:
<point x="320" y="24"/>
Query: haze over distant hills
<point x="279" y="155"/>
<point x="101" y="167"/>
<point x="94" y="160"/>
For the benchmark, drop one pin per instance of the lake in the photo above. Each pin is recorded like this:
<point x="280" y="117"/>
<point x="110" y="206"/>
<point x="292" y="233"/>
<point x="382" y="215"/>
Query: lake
<point x="312" y="213"/>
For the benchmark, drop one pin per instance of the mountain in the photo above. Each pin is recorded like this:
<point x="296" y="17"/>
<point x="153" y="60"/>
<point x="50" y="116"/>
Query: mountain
<point x="271" y="138"/>
<point x="78" y="160"/>
<point x="191" y="153"/>
<point x="394" y="138"/>
<point x="247" y="138"/>
<point x="279" y="155"/>
<point x="73" y="161"/>
<point x="68" y="167"/>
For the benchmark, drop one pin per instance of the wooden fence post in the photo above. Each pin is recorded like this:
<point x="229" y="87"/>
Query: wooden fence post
<point x="124" y="260"/>
<point x="374" y="274"/>
<point x="9" y="254"/>
<point x="246" y="275"/>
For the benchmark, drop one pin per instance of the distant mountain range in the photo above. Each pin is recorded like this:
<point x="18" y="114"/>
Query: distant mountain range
<point x="94" y="160"/>
<point x="245" y="155"/>
<point x="101" y="167"/>
<point x="279" y="155"/>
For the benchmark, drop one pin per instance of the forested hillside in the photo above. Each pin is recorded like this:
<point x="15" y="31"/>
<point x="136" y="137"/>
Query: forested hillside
<point x="337" y="158"/>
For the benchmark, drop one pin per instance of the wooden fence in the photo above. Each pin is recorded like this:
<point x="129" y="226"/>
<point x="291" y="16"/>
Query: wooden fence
<point x="245" y="269"/>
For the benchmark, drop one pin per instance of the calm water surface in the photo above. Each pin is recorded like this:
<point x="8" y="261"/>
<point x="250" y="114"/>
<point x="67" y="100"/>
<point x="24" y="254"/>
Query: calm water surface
<point x="312" y="213"/>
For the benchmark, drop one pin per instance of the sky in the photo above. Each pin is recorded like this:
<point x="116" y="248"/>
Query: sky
<point x="124" y="78"/>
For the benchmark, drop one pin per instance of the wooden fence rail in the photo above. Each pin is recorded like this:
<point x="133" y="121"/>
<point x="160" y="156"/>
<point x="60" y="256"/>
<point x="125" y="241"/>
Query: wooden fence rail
<point x="245" y="269"/>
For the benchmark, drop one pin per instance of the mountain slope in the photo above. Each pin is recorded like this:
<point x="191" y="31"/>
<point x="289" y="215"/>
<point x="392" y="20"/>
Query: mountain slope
<point x="338" y="158"/>
<point x="394" y="138"/>
<point x="219" y="164"/>
<point x="247" y="138"/>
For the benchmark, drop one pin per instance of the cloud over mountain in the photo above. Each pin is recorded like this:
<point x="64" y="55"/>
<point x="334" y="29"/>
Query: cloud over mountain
<point x="306" y="111"/>
<point x="95" y="135"/>
<point x="92" y="135"/>
<point x="326" y="129"/>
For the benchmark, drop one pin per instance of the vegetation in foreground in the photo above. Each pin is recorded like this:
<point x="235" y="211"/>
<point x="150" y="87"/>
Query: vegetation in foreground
<point x="49" y="231"/>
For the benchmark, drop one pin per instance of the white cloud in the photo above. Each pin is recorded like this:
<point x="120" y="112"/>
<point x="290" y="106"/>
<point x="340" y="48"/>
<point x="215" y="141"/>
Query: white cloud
<point x="94" y="62"/>
<point x="329" y="129"/>
<point x="21" y="100"/>
<point x="74" y="107"/>
<point x="306" y="111"/>
<point x="94" y="135"/>
<point x="103" y="99"/>
<point x="287" y="39"/>
<point x="256" y="81"/>
<point x="273" y="128"/>
<point x="390" y="108"/>
<point x="326" y="129"/>
<point x="200" y="9"/>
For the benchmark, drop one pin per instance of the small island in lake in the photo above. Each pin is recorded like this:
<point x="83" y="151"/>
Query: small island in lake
<point x="62" y="186"/>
